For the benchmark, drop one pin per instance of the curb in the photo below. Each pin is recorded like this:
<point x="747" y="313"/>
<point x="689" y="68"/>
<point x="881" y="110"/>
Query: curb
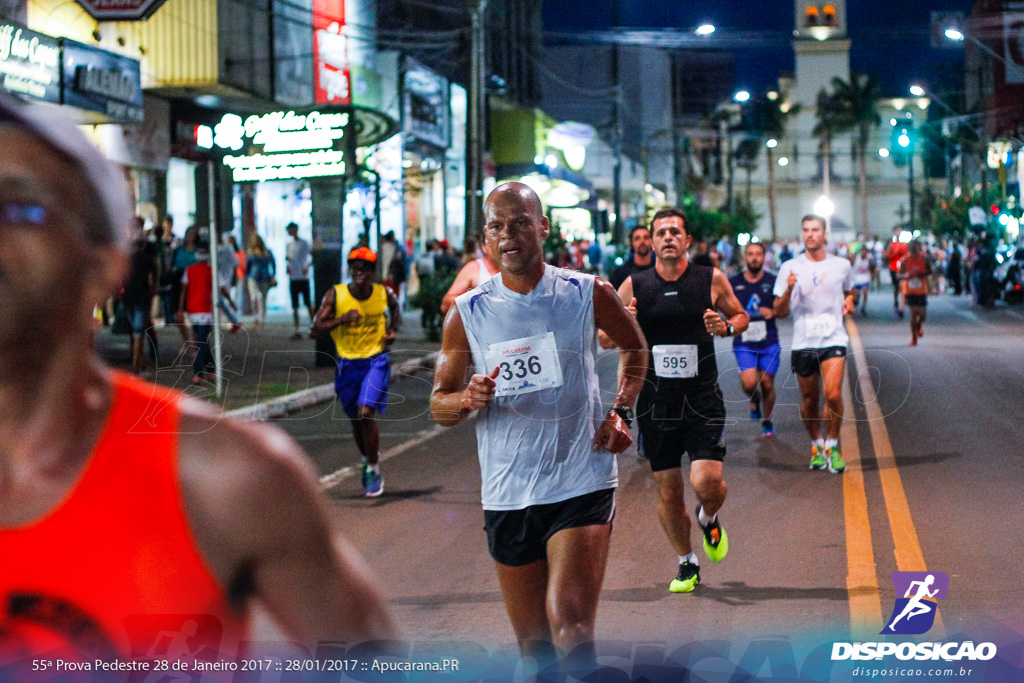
<point x="318" y="395"/>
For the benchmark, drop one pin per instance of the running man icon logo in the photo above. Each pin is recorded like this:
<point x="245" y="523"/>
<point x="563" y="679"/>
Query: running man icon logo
<point x="914" y="612"/>
<point x="754" y="305"/>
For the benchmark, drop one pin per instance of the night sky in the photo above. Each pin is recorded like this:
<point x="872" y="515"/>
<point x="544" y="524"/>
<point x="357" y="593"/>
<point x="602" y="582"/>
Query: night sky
<point x="891" y="38"/>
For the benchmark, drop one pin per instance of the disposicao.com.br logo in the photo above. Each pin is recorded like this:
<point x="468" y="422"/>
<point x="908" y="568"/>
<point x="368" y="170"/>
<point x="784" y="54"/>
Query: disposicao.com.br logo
<point x="914" y="614"/>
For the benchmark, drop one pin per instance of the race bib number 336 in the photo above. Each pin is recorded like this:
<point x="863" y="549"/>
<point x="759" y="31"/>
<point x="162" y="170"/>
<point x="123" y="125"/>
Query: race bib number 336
<point x="525" y="365"/>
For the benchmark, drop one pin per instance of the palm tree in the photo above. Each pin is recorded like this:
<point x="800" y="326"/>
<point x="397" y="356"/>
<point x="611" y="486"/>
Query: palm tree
<point x="857" y="100"/>
<point x="829" y="111"/>
<point x="772" y="121"/>
<point x="746" y="158"/>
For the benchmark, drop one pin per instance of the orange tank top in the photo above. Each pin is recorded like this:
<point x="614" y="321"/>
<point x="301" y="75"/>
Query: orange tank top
<point x="113" y="571"/>
<point x="916" y="271"/>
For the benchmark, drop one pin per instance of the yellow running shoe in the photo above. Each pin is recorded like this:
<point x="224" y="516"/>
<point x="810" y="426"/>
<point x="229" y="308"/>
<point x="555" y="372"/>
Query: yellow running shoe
<point x="716" y="541"/>
<point x="817" y="458"/>
<point x="687" y="579"/>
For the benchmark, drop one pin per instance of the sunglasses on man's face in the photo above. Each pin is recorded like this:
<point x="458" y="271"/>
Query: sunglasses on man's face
<point x="22" y="214"/>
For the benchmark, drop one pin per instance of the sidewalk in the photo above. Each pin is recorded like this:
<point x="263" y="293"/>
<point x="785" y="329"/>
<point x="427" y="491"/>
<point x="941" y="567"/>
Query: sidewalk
<point x="266" y="373"/>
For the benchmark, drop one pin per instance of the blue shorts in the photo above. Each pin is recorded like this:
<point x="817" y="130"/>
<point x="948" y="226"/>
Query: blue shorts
<point x="138" y="318"/>
<point x="766" y="360"/>
<point x="363" y="382"/>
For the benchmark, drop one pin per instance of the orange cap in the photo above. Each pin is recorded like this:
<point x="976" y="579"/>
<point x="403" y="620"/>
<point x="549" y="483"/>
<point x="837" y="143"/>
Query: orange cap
<point x="362" y="254"/>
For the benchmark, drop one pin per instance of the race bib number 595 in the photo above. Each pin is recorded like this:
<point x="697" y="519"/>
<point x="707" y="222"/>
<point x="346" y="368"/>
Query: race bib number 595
<point x="675" y="360"/>
<point x="525" y="365"/>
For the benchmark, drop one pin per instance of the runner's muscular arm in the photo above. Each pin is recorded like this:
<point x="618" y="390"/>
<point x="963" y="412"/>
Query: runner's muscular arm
<point x="781" y="305"/>
<point x="262" y="525"/>
<point x="452" y="399"/>
<point x="325" y="320"/>
<point x="626" y="296"/>
<point x="724" y="301"/>
<point x="611" y="317"/>
<point x="464" y="281"/>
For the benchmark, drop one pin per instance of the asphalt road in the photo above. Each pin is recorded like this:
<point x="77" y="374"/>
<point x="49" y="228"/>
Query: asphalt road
<point x="933" y="484"/>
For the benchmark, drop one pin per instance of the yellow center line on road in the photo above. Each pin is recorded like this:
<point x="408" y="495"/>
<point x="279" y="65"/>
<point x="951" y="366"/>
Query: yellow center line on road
<point x="906" y="546"/>
<point x="862" y="575"/>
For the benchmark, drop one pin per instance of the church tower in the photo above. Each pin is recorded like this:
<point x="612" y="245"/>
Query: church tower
<point x="822" y="52"/>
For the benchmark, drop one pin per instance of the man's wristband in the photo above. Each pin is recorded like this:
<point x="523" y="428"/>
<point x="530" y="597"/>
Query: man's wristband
<point x="625" y="413"/>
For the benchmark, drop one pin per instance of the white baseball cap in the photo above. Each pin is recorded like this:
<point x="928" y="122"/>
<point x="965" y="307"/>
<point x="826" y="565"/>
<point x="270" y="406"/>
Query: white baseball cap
<point x="57" y="129"/>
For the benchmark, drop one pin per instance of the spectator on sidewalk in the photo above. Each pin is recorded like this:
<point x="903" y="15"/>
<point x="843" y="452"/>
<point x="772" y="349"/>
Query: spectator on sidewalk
<point x="299" y="258"/>
<point x="139" y="289"/>
<point x="238" y="281"/>
<point x="197" y="301"/>
<point x="226" y="267"/>
<point x="260" y="272"/>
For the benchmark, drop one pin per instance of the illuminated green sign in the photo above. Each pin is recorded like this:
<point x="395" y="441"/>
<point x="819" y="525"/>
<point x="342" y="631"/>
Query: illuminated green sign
<point x="283" y="145"/>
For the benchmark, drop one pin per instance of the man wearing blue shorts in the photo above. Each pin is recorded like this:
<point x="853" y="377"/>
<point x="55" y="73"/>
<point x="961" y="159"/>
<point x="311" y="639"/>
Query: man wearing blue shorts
<point x="757" y="349"/>
<point x="357" y="318"/>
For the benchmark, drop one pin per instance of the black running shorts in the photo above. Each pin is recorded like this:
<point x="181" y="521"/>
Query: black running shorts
<point x="807" y="362"/>
<point x="692" y="424"/>
<point x="299" y="289"/>
<point x="520" y="537"/>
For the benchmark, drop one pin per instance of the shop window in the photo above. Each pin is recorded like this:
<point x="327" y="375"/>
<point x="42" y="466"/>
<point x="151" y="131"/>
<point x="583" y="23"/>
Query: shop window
<point x="830" y="16"/>
<point x="811" y="17"/>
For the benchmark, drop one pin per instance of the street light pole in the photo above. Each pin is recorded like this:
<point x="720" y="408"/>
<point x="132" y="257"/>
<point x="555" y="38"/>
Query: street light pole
<point x="475" y="124"/>
<point x="910" y="185"/>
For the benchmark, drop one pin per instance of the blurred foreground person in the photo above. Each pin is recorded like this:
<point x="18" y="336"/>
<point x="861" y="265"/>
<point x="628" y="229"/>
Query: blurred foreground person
<point x="131" y="515"/>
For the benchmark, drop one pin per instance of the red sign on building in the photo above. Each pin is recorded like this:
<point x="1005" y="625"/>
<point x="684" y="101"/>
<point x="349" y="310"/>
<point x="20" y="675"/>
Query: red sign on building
<point x="331" y="77"/>
<point x="120" y="10"/>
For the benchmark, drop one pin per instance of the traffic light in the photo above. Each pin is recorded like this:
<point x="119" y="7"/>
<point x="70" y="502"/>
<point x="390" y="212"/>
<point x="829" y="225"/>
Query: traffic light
<point x="902" y="140"/>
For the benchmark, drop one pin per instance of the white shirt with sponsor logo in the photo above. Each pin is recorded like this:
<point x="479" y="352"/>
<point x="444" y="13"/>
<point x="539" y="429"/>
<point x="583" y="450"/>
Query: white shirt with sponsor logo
<point x="535" y="440"/>
<point x="817" y="300"/>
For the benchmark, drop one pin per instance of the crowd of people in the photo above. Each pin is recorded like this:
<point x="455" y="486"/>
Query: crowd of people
<point x="201" y="514"/>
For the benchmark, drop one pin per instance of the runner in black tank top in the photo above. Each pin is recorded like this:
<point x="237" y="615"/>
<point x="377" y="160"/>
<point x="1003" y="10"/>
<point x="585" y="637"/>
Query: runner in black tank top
<point x="680" y="409"/>
<point x="672" y="312"/>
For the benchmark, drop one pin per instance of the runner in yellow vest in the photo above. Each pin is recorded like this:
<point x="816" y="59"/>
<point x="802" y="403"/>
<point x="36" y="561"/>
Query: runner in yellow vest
<point x="355" y="315"/>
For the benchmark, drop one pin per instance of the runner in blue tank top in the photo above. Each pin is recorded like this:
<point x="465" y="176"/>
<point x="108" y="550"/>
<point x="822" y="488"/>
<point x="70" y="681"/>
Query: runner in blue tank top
<point x="757" y="350"/>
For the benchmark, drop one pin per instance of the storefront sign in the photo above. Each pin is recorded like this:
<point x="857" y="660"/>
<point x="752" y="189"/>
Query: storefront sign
<point x="283" y="145"/>
<point x="332" y="83"/>
<point x="101" y="81"/>
<point x="29" y="63"/>
<point x="120" y="10"/>
<point x="425" y="102"/>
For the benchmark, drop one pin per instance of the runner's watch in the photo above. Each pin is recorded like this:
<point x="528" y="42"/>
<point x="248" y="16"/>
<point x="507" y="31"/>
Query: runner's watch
<point x="729" y="330"/>
<point x="624" y="412"/>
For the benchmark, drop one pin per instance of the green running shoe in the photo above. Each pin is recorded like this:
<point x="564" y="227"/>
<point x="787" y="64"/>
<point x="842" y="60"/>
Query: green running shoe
<point x="687" y="579"/>
<point x="836" y="464"/>
<point x="716" y="541"/>
<point x="817" y="459"/>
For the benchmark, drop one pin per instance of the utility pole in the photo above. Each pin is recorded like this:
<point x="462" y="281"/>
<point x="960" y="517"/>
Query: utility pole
<point x="477" y="97"/>
<point x="910" y="183"/>
<point x="618" y="235"/>
<point x="617" y="231"/>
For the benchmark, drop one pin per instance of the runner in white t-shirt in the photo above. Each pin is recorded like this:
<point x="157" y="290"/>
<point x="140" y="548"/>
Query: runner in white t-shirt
<point x="863" y="269"/>
<point x="817" y="288"/>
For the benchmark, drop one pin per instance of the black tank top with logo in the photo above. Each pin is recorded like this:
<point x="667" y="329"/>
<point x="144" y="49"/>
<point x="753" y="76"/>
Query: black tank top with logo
<point x="672" y="312"/>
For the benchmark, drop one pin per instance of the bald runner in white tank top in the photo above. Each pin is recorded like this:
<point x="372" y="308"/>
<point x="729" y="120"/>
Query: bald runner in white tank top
<point x="535" y="440"/>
